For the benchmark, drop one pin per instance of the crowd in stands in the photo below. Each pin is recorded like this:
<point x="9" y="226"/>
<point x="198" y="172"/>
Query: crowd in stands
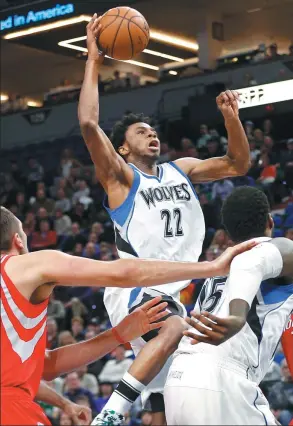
<point x="56" y="195"/>
<point x="68" y="92"/>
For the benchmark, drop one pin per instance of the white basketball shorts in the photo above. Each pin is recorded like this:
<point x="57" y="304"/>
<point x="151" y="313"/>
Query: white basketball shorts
<point x="204" y="390"/>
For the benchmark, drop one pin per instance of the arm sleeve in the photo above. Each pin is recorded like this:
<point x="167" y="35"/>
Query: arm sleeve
<point x="249" y="269"/>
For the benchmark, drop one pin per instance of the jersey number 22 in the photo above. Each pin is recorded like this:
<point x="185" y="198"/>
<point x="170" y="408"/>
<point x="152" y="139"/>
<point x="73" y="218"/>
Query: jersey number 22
<point x="173" y="224"/>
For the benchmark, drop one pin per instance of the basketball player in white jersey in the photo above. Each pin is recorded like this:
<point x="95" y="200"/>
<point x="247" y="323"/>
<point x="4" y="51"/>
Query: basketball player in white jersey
<point x="214" y="376"/>
<point x="156" y="214"/>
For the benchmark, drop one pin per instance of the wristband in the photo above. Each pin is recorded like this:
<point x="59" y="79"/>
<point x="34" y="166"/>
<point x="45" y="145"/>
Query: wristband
<point x="117" y="336"/>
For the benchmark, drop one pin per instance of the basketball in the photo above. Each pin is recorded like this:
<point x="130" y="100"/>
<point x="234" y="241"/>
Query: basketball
<point x="124" y="33"/>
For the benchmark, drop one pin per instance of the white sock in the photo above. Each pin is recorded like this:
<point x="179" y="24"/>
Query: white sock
<point x="125" y="394"/>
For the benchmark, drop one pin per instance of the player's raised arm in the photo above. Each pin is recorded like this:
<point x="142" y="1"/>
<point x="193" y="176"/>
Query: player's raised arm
<point x="110" y="168"/>
<point x="237" y="159"/>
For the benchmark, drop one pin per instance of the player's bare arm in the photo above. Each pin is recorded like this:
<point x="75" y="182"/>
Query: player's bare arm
<point x="68" y="358"/>
<point x="77" y="413"/>
<point x="217" y="330"/>
<point x="114" y="174"/>
<point x="237" y="159"/>
<point x="35" y="274"/>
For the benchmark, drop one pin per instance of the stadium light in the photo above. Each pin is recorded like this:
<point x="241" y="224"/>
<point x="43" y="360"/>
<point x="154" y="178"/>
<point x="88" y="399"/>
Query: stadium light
<point x="47" y="27"/>
<point x="4" y="97"/>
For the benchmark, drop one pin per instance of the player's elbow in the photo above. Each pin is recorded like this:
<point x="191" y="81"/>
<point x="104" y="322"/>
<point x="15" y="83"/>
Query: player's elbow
<point x="88" y="126"/>
<point x="239" y="166"/>
<point x="127" y="273"/>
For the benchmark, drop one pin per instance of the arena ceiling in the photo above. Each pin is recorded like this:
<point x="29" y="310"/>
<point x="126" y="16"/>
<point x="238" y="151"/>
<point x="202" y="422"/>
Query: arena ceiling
<point x="246" y="24"/>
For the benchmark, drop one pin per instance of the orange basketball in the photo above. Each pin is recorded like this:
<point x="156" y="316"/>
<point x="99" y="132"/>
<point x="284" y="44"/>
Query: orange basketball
<point x="124" y="33"/>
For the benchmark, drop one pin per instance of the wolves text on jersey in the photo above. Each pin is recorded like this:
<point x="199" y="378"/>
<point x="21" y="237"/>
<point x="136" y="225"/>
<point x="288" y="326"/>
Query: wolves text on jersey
<point x="165" y="193"/>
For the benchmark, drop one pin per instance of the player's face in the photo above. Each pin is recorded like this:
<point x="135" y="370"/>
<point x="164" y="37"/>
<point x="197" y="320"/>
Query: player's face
<point x="142" y="141"/>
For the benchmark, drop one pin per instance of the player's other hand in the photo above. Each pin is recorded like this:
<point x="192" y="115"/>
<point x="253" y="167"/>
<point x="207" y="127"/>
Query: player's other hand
<point x="223" y="262"/>
<point x="228" y="104"/>
<point x="93" y="30"/>
<point x="214" y="330"/>
<point x="143" y="319"/>
<point x="79" y="414"/>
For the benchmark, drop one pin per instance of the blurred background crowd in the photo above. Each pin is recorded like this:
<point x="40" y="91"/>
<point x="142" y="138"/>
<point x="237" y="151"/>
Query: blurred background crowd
<point x="61" y="206"/>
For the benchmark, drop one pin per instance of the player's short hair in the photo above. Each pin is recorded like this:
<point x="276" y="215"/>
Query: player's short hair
<point x="9" y="225"/>
<point x="120" y="128"/>
<point x="245" y="213"/>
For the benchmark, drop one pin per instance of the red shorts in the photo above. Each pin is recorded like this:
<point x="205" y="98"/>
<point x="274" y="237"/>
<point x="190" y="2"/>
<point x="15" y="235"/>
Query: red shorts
<point x="20" y="409"/>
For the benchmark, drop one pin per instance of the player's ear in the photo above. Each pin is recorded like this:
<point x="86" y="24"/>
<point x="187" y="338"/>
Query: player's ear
<point x="271" y="222"/>
<point x="17" y="242"/>
<point x="123" y="150"/>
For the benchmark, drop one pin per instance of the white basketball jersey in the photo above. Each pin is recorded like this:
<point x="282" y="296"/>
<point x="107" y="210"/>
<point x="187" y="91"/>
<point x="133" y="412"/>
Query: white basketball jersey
<point x="160" y="219"/>
<point x="255" y="345"/>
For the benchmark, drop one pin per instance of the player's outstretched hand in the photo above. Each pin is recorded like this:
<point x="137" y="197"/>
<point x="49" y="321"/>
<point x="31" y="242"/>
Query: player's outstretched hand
<point x="228" y="104"/>
<point x="223" y="262"/>
<point x="143" y="319"/>
<point x="93" y="30"/>
<point x="214" y="330"/>
<point x="79" y="414"/>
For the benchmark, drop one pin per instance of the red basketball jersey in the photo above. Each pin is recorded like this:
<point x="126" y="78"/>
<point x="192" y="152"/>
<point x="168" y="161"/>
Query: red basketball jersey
<point x="287" y="343"/>
<point x="23" y="342"/>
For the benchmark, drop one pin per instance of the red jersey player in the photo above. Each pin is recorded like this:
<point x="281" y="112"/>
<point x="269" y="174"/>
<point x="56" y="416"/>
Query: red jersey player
<point x="27" y="280"/>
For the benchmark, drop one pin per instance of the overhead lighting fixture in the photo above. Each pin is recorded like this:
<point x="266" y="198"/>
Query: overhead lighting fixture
<point x="4" y="97"/>
<point x="172" y="72"/>
<point x="67" y="43"/>
<point x="32" y="103"/>
<point x="257" y="9"/>
<point x="47" y="27"/>
<point x="174" y="40"/>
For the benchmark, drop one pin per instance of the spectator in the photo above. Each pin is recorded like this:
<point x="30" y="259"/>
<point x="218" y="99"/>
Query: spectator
<point x="42" y="214"/>
<point x="115" y="368"/>
<point x="77" y="328"/>
<point x="44" y="239"/>
<point x="185" y="145"/>
<point x="267" y="127"/>
<point x="87" y="380"/>
<point x="65" y="338"/>
<point x="261" y="53"/>
<point x="98" y="229"/>
<point x="204" y="137"/>
<point x="214" y="148"/>
<point x="79" y="215"/>
<point x="117" y="82"/>
<point x="63" y="224"/>
<point x="220" y="240"/>
<point x="273" y="51"/>
<point x="21" y="205"/>
<point x="63" y="203"/>
<point x="291" y="50"/>
<point x="106" y="390"/>
<point x="52" y="333"/>
<point x="248" y="127"/>
<point x="75" y="238"/>
<point x="95" y="305"/>
<point x="258" y="137"/>
<point x="78" y="249"/>
<point x="75" y="390"/>
<point x="254" y="152"/>
<point x="68" y="162"/>
<point x="269" y="171"/>
<point x="83" y="192"/>
<point x="65" y="420"/>
<point x="16" y="174"/>
<point x="75" y="308"/>
<point x="221" y="189"/>
<point x="90" y="251"/>
<point x="35" y="171"/>
<point x="56" y="309"/>
<point x="43" y="201"/>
